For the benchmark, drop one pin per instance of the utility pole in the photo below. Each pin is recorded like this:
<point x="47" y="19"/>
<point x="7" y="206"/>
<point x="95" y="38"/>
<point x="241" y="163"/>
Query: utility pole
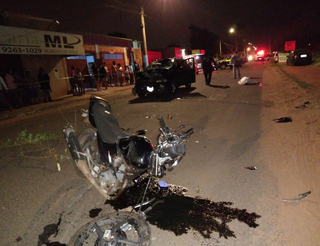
<point x="143" y="26"/>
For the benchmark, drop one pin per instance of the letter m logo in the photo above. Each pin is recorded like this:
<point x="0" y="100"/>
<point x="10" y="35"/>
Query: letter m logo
<point x="55" y="42"/>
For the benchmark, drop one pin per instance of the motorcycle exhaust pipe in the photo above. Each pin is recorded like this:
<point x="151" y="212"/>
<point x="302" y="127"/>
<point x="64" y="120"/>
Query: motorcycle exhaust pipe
<point x="73" y="143"/>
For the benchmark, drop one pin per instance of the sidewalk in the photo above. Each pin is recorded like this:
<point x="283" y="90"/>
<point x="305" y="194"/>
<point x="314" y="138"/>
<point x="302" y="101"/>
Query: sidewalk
<point x="35" y="108"/>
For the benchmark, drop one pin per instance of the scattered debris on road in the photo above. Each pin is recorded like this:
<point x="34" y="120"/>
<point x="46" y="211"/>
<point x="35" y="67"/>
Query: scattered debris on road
<point x="283" y="119"/>
<point x="163" y="184"/>
<point x="304" y="105"/>
<point x="250" y="168"/>
<point x="297" y="198"/>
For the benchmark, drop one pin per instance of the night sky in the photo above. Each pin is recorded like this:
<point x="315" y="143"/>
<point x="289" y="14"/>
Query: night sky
<point x="261" y="22"/>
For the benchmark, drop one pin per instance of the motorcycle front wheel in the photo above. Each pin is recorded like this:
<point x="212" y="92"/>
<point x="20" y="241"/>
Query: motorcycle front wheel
<point x="84" y="139"/>
<point x="120" y="228"/>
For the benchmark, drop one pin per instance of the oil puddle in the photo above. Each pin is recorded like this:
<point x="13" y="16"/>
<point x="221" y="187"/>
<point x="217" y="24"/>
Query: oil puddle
<point x="49" y="230"/>
<point x="179" y="212"/>
<point x="94" y="212"/>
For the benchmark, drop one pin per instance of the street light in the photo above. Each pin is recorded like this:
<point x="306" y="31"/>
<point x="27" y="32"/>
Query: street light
<point x="54" y="21"/>
<point x="233" y="30"/>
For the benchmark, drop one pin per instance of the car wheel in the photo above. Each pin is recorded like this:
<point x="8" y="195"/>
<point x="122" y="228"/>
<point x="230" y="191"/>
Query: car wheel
<point x="188" y="85"/>
<point x="141" y="94"/>
<point x="223" y="66"/>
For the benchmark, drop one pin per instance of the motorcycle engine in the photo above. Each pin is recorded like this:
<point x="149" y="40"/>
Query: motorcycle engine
<point x="116" y="177"/>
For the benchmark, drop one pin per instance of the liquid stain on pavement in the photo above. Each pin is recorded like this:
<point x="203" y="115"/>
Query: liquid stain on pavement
<point x="94" y="212"/>
<point x="179" y="212"/>
<point x="49" y="230"/>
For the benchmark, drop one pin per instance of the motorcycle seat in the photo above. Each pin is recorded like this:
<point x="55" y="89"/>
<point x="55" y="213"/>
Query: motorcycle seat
<point x="106" y="123"/>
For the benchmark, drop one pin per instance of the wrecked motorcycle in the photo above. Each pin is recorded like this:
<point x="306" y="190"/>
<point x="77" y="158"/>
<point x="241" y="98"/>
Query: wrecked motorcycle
<point x="113" y="160"/>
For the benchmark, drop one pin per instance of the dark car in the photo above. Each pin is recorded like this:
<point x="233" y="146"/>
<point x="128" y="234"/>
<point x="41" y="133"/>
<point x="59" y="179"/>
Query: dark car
<point x="165" y="76"/>
<point x="299" y="57"/>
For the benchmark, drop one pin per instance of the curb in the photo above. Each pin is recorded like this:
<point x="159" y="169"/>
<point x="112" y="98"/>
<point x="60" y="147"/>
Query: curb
<point x="35" y="108"/>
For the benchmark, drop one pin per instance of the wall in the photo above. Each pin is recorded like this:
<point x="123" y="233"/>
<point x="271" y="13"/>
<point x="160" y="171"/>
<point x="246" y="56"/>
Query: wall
<point x="55" y="66"/>
<point x="170" y="52"/>
<point x="153" y="55"/>
<point x="90" y="49"/>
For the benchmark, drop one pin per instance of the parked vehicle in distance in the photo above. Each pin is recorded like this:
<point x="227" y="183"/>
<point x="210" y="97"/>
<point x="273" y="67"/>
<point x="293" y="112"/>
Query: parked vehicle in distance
<point x="280" y="56"/>
<point x="165" y="76"/>
<point x="224" y="62"/>
<point x="260" y="55"/>
<point x="299" y="57"/>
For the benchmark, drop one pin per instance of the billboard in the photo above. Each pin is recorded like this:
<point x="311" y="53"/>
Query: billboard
<point x="21" y="41"/>
<point x="290" y="45"/>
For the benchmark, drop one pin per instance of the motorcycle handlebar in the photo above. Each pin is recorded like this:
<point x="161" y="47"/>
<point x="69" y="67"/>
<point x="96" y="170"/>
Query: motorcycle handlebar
<point x="188" y="132"/>
<point x="161" y="121"/>
<point x="163" y="125"/>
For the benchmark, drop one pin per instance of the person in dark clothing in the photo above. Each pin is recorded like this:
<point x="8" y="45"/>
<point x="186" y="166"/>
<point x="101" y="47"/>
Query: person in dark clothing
<point x="207" y="66"/>
<point x="136" y="67"/>
<point x="73" y="82"/>
<point x="103" y="77"/>
<point x="236" y="64"/>
<point x="95" y="73"/>
<point x="44" y="81"/>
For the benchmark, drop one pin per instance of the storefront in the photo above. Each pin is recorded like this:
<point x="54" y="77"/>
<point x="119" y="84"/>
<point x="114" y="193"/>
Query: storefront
<point x="29" y="49"/>
<point x="100" y="49"/>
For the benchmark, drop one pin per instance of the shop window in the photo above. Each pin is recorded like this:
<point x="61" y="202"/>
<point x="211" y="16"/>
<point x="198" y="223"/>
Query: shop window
<point x="113" y="56"/>
<point x="76" y="57"/>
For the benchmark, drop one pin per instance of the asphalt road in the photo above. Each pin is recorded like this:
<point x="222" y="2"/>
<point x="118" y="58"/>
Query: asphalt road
<point x="34" y="194"/>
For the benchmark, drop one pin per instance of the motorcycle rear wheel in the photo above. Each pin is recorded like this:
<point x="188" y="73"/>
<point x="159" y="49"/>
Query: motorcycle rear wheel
<point x="83" y="138"/>
<point x="127" y="229"/>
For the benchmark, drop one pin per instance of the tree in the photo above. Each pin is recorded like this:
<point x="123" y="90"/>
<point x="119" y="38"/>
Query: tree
<point x="203" y="39"/>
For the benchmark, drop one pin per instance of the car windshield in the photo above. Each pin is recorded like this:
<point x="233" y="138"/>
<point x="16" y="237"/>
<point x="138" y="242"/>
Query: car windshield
<point x="164" y="63"/>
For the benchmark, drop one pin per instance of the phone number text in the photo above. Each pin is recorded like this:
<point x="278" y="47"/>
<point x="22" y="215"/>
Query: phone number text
<point x="19" y="50"/>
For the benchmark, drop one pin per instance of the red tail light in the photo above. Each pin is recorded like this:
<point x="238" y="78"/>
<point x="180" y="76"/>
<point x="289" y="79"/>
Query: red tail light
<point x="260" y="52"/>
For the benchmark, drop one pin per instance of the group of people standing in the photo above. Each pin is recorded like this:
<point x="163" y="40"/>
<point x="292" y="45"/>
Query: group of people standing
<point x="16" y="91"/>
<point x="118" y="76"/>
<point x="76" y="81"/>
<point x="208" y="62"/>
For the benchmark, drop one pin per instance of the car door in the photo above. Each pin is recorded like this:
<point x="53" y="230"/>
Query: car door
<point x="184" y="71"/>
